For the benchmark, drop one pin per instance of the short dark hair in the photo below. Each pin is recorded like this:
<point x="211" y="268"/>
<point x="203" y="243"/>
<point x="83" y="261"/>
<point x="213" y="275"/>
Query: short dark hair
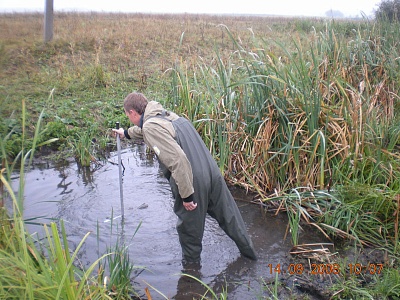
<point x="135" y="101"/>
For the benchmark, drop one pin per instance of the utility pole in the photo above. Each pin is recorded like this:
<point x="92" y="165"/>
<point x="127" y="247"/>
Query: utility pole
<point x="48" y="21"/>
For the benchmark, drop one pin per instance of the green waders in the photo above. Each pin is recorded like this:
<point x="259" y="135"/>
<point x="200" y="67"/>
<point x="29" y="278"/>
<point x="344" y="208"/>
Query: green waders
<point x="211" y="195"/>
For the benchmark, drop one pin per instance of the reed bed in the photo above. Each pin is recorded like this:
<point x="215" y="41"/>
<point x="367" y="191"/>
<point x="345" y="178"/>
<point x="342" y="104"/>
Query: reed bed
<point x="283" y="104"/>
<point x="302" y="111"/>
<point x="319" y="116"/>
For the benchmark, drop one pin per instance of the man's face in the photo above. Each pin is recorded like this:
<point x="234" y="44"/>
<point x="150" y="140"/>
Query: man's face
<point x="133" y="116"/>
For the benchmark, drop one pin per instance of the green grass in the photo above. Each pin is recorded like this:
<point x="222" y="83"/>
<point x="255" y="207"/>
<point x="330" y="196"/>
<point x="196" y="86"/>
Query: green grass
<point x="304" y="113"/>
<point x="37" y="269"/>
<point x="382" y="285"/>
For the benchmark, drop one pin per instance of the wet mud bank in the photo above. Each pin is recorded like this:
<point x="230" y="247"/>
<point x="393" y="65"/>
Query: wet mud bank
<point x="88" y="200"/>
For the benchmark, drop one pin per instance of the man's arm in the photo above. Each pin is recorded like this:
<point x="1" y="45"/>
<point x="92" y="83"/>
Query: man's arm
<point x="171" y="156"/>
<point x="133" y="132"/>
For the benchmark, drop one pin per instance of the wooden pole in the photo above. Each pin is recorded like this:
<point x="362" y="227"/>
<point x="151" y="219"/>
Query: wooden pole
<point x="48" y="21"/>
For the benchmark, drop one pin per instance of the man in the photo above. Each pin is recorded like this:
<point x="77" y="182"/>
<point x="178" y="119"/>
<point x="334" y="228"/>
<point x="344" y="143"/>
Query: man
<point x="196" y="181"/>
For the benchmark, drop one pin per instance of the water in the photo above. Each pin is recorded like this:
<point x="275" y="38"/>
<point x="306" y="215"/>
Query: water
<point x="88" y="199"/>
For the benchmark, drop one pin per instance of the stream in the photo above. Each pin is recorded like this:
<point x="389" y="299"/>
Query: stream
<point x="88" y="200"/>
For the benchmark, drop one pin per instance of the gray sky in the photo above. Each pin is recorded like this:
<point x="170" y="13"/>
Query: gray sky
<point x="276" y="7"/>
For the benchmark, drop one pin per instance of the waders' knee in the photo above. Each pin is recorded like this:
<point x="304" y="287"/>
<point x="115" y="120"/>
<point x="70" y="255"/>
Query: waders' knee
<point x="191" y="244"/>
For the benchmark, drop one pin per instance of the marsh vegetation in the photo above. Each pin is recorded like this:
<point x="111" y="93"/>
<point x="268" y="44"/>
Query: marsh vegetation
<point x="301" y="111"/>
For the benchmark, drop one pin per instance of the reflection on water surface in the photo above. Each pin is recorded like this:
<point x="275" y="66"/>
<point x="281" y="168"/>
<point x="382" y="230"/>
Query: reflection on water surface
<point x="88" y="199"/>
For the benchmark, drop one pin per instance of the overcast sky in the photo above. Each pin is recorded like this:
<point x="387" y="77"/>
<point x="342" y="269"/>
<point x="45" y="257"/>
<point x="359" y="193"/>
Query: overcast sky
<point x="276" y="7"/>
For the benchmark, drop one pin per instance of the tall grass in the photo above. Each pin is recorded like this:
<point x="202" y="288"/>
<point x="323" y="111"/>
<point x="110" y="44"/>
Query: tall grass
<point x="318" y="115"/>
<point x="82" y="147"/>
<point x="119" y="266"/>
<point x="302" y="111"/>
<point x="33" y="269"/>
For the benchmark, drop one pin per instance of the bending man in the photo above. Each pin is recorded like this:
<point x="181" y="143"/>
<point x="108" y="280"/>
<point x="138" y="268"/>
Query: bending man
<point x="196" y="181"/>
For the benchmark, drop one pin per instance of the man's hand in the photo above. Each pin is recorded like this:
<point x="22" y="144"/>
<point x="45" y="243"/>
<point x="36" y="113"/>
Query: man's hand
<point x="119" y="131"/>
<point x="190" y="205"/>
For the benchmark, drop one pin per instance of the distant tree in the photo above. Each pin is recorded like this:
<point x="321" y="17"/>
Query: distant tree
<point x="334" y="14"/>
<point x="388" y="10"/>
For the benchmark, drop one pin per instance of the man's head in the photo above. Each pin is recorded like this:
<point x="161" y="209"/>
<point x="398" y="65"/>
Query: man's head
<point x="134" y="106"/>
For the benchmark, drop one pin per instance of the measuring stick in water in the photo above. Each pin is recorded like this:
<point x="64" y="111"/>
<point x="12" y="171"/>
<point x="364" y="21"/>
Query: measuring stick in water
<point x="121" y="191"/>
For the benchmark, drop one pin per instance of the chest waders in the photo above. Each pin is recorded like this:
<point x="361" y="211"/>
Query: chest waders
<point x="211" y="195"/>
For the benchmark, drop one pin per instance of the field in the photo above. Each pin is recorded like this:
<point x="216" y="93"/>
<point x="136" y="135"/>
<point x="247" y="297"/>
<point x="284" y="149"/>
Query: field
<point x="301" y="111"/>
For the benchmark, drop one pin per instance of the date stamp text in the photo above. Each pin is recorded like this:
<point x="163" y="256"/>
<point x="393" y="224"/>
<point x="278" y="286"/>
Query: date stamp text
<point x="325" y="269"/>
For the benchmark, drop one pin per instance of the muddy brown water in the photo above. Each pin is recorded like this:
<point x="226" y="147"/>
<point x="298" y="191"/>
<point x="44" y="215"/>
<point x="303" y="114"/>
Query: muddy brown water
<point x="87" y="200"/>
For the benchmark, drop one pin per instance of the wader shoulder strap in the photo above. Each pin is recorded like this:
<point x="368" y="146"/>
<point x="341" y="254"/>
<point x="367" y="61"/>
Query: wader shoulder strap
<point x="164" y="114"/>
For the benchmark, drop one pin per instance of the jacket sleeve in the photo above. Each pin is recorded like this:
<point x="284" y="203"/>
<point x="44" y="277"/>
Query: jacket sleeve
<point x="134" y="133"/>
<point x="171" y="155"/>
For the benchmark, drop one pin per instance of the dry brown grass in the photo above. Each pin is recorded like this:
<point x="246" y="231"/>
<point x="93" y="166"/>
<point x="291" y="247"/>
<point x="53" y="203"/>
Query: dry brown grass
<point x="144" y="45"/>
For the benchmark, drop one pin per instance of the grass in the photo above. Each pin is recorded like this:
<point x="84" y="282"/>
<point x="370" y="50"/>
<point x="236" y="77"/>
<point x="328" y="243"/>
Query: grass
<point x="385" y="285"/>
<point x="303" y="111"/>
<point x="212" y="295"/>
<point x="36" y="269"/>
<point x="324" y="118"/>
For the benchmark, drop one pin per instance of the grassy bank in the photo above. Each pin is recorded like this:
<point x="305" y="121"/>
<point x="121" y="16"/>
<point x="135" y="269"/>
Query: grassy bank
<point x="303" y="111"/>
